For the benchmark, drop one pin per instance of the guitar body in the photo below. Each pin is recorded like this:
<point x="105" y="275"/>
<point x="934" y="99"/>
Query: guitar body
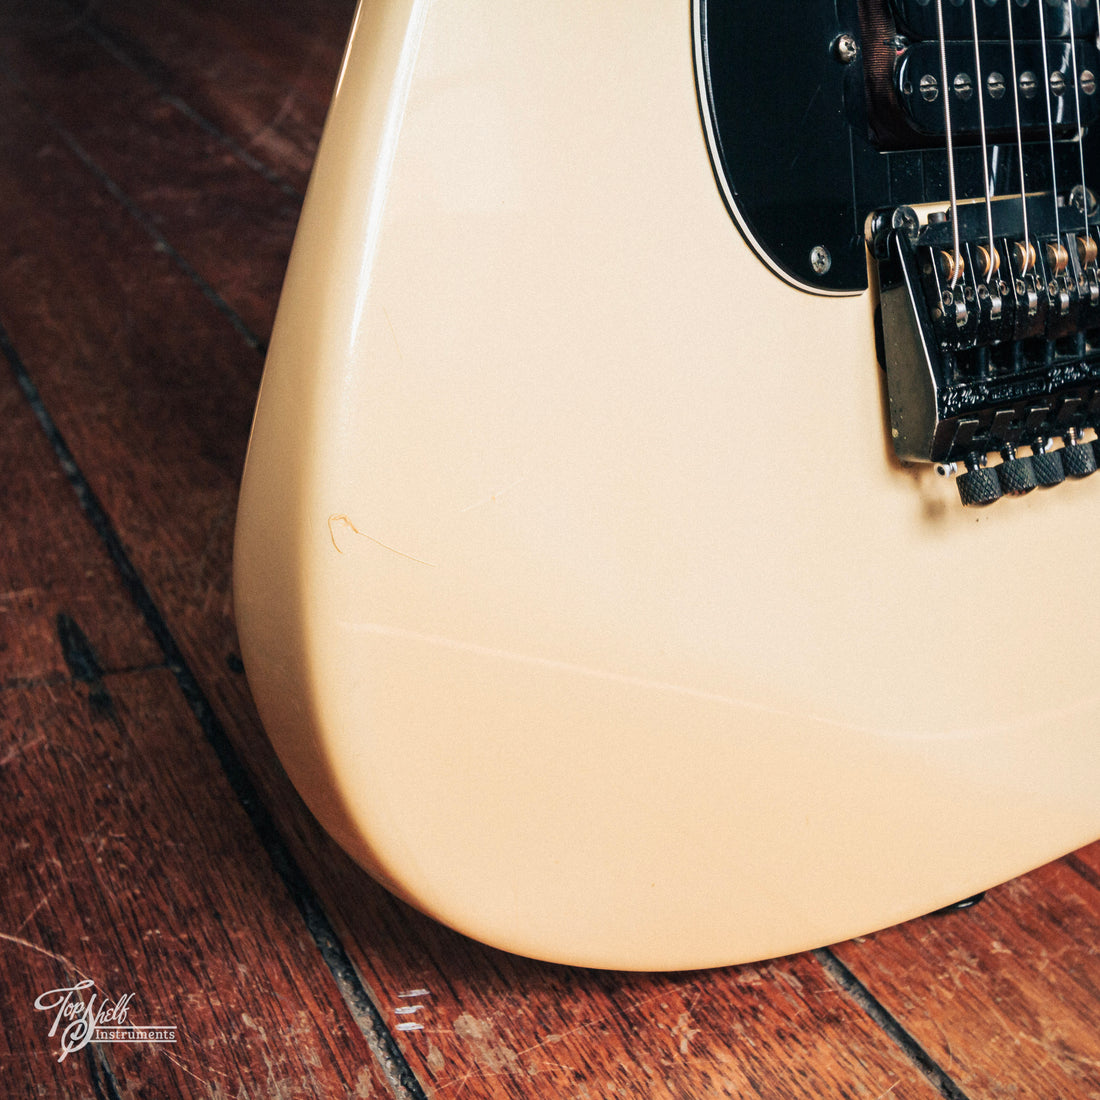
<point x="579" y="588"/>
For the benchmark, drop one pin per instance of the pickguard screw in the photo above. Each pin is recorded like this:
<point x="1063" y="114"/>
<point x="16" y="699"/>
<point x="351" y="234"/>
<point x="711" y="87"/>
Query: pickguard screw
<point x="1077" y="199"/>
<point x="846" y="49"/>
<point x="820" y="260"/>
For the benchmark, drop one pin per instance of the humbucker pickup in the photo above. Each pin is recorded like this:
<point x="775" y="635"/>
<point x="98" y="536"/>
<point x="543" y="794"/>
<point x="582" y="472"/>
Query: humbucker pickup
<point x="918" y="18"/>
<point x="918" y="78"/>
<point x="995" y="347"/>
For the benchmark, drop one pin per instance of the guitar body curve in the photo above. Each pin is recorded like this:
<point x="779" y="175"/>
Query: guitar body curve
<point x="577" y="584"/>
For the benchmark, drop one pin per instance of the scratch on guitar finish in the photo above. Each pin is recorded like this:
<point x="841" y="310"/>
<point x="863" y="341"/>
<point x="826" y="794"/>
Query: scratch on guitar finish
<point x="800" y="148"/>
<point x="343" y="520"/>
<point x="494" y="498"/>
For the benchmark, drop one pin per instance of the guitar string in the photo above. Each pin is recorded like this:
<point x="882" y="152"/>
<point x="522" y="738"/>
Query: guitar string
<point x="1077" y="109"/>
<point x="1096" y="39"/>
<point x="1050" y="121"/>
<point x="1024" y="263"/>
<point x="980" y="92"/>
<point x="956" y="263"/>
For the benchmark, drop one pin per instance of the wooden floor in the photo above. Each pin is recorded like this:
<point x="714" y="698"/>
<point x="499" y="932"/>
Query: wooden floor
<point x="152" y="162"/>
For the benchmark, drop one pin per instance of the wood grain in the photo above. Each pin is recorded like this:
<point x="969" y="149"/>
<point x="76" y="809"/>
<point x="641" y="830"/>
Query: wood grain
<point x="126" y="130"/>
<point x="123" y="835"/>
<point x="262" y="75"/>
<point x="51" y="562"/>
<point x="116" y="881"/>
<point x="1004" y="995"/>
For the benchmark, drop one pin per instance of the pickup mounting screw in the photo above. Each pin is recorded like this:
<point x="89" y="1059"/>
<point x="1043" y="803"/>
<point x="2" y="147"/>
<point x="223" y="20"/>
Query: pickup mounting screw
<point x="846" y="49"/>
<point x="820" y="260"/>
<point x="905" y="218"/>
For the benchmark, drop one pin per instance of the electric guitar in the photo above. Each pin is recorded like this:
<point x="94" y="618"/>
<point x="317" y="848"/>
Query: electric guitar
<point x="620" y="573"/>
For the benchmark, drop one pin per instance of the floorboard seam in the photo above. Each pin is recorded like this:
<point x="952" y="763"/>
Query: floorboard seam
<point x="107" y="1089"/>
<point x="1080" y="867"/>
<point x="161" y="243"/>
<point x="932" y="1070"/>
<point x="350" y="984"/>
<point x="111" y="40"/>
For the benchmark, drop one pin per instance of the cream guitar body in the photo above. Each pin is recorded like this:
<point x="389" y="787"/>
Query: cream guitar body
<point x="579" y="587"/>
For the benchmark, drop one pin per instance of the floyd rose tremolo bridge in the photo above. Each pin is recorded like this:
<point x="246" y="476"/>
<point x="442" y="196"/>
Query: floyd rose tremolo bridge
<point x="990" y="307"/>
<point x="989" y="349"/>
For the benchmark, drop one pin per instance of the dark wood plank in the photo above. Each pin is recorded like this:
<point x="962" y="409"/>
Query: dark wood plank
<point x="44" y="296"/>
<point x="51" y="564"/>
<point x="142" y="875"/>
<point x="490" y="1024"/>
<point x="232" y="223"/>
<point x="70" y="889"/>
<point x="262" y="75"/>
<point x="1005" y="995"/>
<point x="126" y="857"/>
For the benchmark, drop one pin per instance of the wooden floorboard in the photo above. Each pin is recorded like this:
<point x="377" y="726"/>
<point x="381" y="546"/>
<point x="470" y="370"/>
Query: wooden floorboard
<point x="123" y="839"/>
<point x="1004" y="993"/>
<point x="116" y="881"/>
<point x="267" y="91"/>
<point x="51" y="564"/>
<point x="151" y="167"/>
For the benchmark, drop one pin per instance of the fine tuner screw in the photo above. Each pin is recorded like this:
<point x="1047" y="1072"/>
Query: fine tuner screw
<point x="1079" y="459"/>
<point x="979" y="485"/>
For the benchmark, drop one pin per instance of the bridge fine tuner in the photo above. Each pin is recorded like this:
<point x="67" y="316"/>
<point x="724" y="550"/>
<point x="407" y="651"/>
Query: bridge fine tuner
<point x="1018" y="474"/>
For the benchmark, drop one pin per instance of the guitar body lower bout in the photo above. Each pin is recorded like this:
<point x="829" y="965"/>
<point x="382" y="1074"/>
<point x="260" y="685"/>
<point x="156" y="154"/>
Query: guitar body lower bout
<point x="578" y="586"/>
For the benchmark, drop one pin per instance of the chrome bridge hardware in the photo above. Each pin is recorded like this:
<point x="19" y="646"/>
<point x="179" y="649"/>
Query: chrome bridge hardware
<point x="992" y="351"/>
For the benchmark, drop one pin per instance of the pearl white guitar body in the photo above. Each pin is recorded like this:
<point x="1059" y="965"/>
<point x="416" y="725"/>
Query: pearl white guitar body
<point x="579" y="587"/>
